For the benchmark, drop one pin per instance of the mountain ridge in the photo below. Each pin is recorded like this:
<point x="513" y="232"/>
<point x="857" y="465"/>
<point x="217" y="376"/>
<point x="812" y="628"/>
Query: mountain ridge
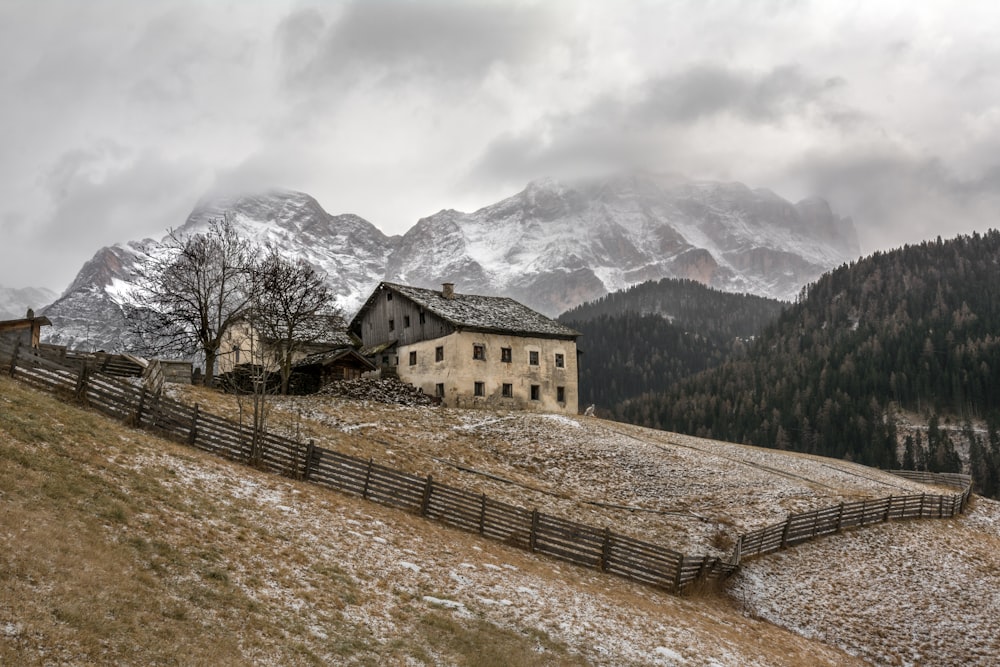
<point x="552" y="245"/>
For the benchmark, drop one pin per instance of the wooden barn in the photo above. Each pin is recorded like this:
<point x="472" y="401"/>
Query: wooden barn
<point x="26" y="331"/>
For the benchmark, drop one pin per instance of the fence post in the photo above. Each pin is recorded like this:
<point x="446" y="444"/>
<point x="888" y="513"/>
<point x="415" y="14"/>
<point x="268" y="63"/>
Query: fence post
<point x="533" y="535"/>
<point x="605" y="550"/>
<point x="888" y="507"/>
<point x="307" y="466"/>
<point x="863" y="503"/>
<point x="137" y="417"/>
<point x="368" y="479"/>
<point x="81" y="383"/>
<point x="738" y="551"/>
<point x="704" y="566"/>
<point x="13" y="357"/>
<point x="482" y="514"/>
<point x="923" y="496"/>
<point x="784" y="533"/>
<point x="940" y="506"/>
<point x="426" y="499"/>
<point x="678" y="571"/>
<point x="193" y="431"/>
<point x="840" y="517"/>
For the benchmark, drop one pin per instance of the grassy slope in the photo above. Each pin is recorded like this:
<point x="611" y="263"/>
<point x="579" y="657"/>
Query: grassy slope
<point x="117" y="547"/>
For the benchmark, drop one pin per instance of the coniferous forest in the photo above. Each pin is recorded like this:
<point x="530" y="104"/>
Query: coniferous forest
<point x="649" y="337"/>
<point x="910" y="331"/>
<point x="915" y="329"/>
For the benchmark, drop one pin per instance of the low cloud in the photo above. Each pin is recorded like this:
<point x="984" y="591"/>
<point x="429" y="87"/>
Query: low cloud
<point x="397" y="41"/>
<point x="895" y="198"/>
<point x="664" y="123"/>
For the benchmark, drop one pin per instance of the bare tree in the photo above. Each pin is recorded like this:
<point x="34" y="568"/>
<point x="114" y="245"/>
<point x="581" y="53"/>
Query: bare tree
<point x="292" y="308"/>
<point x="189" y="297"/>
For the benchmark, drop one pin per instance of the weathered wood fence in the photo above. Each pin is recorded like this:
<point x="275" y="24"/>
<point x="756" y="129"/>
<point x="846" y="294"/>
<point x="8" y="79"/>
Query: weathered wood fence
<point x="798" y="528"/>
<point x="565" y="540"/>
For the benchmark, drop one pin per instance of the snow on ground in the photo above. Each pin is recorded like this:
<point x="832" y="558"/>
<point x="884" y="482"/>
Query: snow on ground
<point x="911" y="593"/>
<point x="405" y="566"/>
<point x="935" y="601"/>
<point x="689" y="494"/>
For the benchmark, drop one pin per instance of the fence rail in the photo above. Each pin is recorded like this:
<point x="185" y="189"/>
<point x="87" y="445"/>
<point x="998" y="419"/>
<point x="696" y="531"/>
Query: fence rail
<point x="558" y="538"/>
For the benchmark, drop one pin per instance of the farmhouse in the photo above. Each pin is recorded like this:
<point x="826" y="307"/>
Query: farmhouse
<point x="26" y="330"/>
<point x="471" y="350"/>
<point x="322" y="353"/>
<point x="243" y="344"/>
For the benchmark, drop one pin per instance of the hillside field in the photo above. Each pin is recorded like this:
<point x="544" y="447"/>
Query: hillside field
<point x="119" y="547"/>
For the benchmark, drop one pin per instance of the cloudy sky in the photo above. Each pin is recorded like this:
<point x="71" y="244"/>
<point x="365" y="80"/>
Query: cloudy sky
<point x="117" y="116"/>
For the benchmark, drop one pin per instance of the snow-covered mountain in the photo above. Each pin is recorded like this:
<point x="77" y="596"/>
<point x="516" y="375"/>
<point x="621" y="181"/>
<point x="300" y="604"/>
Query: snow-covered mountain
<point x="554" y="246"/>
<point x="551" y="246"/>
<point x="15" y="301"/>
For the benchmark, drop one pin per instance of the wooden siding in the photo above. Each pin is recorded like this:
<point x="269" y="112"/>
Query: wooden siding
<point x="375" y="323"/>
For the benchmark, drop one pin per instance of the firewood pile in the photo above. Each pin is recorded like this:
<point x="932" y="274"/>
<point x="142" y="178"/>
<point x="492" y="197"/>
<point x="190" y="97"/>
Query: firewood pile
<point x="379" y="390"/>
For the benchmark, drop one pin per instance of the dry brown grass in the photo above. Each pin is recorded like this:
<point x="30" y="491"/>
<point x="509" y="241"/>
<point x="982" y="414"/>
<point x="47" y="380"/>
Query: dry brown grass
<point x="120" y="548"/>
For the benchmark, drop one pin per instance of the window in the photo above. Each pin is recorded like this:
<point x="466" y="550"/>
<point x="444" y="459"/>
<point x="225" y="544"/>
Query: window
<point x="392" y="325"/>
<point x="385" y="360"/>
<point x="406" y="321"/>
<point x="560" y="360"/>
<point x="536" y="391"/>
<point x="479" y="352"/>
<point x="439" y="389"/>
<point x="413" y="358"/>
<point x="236" y="352"/>
<point x="388" y="296"/>
<point x="423" y="318"/>
<point x="533" y="357"/>
<point x="439" y="353"/>
<point x="505" y="354"/>
<point x="561" y="394"/>
<point x="508" y="390"/>
<point x="479" y="389"/>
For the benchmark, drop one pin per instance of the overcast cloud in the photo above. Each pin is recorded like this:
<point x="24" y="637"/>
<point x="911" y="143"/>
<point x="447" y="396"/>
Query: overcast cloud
<point x="118" y="116"/>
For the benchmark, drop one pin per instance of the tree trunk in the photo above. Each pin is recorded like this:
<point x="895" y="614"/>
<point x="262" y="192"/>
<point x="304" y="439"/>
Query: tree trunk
<point x="210" y="355"/>
<point x="286" y="373"/>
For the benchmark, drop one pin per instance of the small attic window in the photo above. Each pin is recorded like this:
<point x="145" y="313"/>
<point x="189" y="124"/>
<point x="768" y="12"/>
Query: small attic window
<point x="388" y="296"/>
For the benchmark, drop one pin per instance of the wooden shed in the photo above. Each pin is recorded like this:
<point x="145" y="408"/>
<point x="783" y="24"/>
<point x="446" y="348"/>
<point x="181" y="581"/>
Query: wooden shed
<point x="311" y="373"/>
<point x="26" y="331"/>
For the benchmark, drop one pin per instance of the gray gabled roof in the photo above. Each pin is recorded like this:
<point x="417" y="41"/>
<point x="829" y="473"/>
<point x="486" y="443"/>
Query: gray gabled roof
<point x="493" y="314"/>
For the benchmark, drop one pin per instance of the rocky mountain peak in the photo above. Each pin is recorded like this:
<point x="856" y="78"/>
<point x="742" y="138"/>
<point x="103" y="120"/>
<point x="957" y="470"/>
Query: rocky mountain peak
<point x="552" y="246"/>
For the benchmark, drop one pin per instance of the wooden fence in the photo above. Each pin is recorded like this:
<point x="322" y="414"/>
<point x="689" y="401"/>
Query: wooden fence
<point x="798" y="528"/>
<point x="558" y="538"/>
<point x="565" y="540"/>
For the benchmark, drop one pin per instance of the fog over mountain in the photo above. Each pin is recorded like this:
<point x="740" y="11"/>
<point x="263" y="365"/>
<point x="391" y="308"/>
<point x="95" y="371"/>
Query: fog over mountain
<point x="552" y="246"/>
<point x="14" y="301"/>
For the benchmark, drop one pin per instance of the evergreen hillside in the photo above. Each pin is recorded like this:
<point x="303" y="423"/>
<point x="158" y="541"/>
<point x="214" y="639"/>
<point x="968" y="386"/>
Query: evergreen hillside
<point x="650" y="336"/>
<point x="916" y="328"/>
